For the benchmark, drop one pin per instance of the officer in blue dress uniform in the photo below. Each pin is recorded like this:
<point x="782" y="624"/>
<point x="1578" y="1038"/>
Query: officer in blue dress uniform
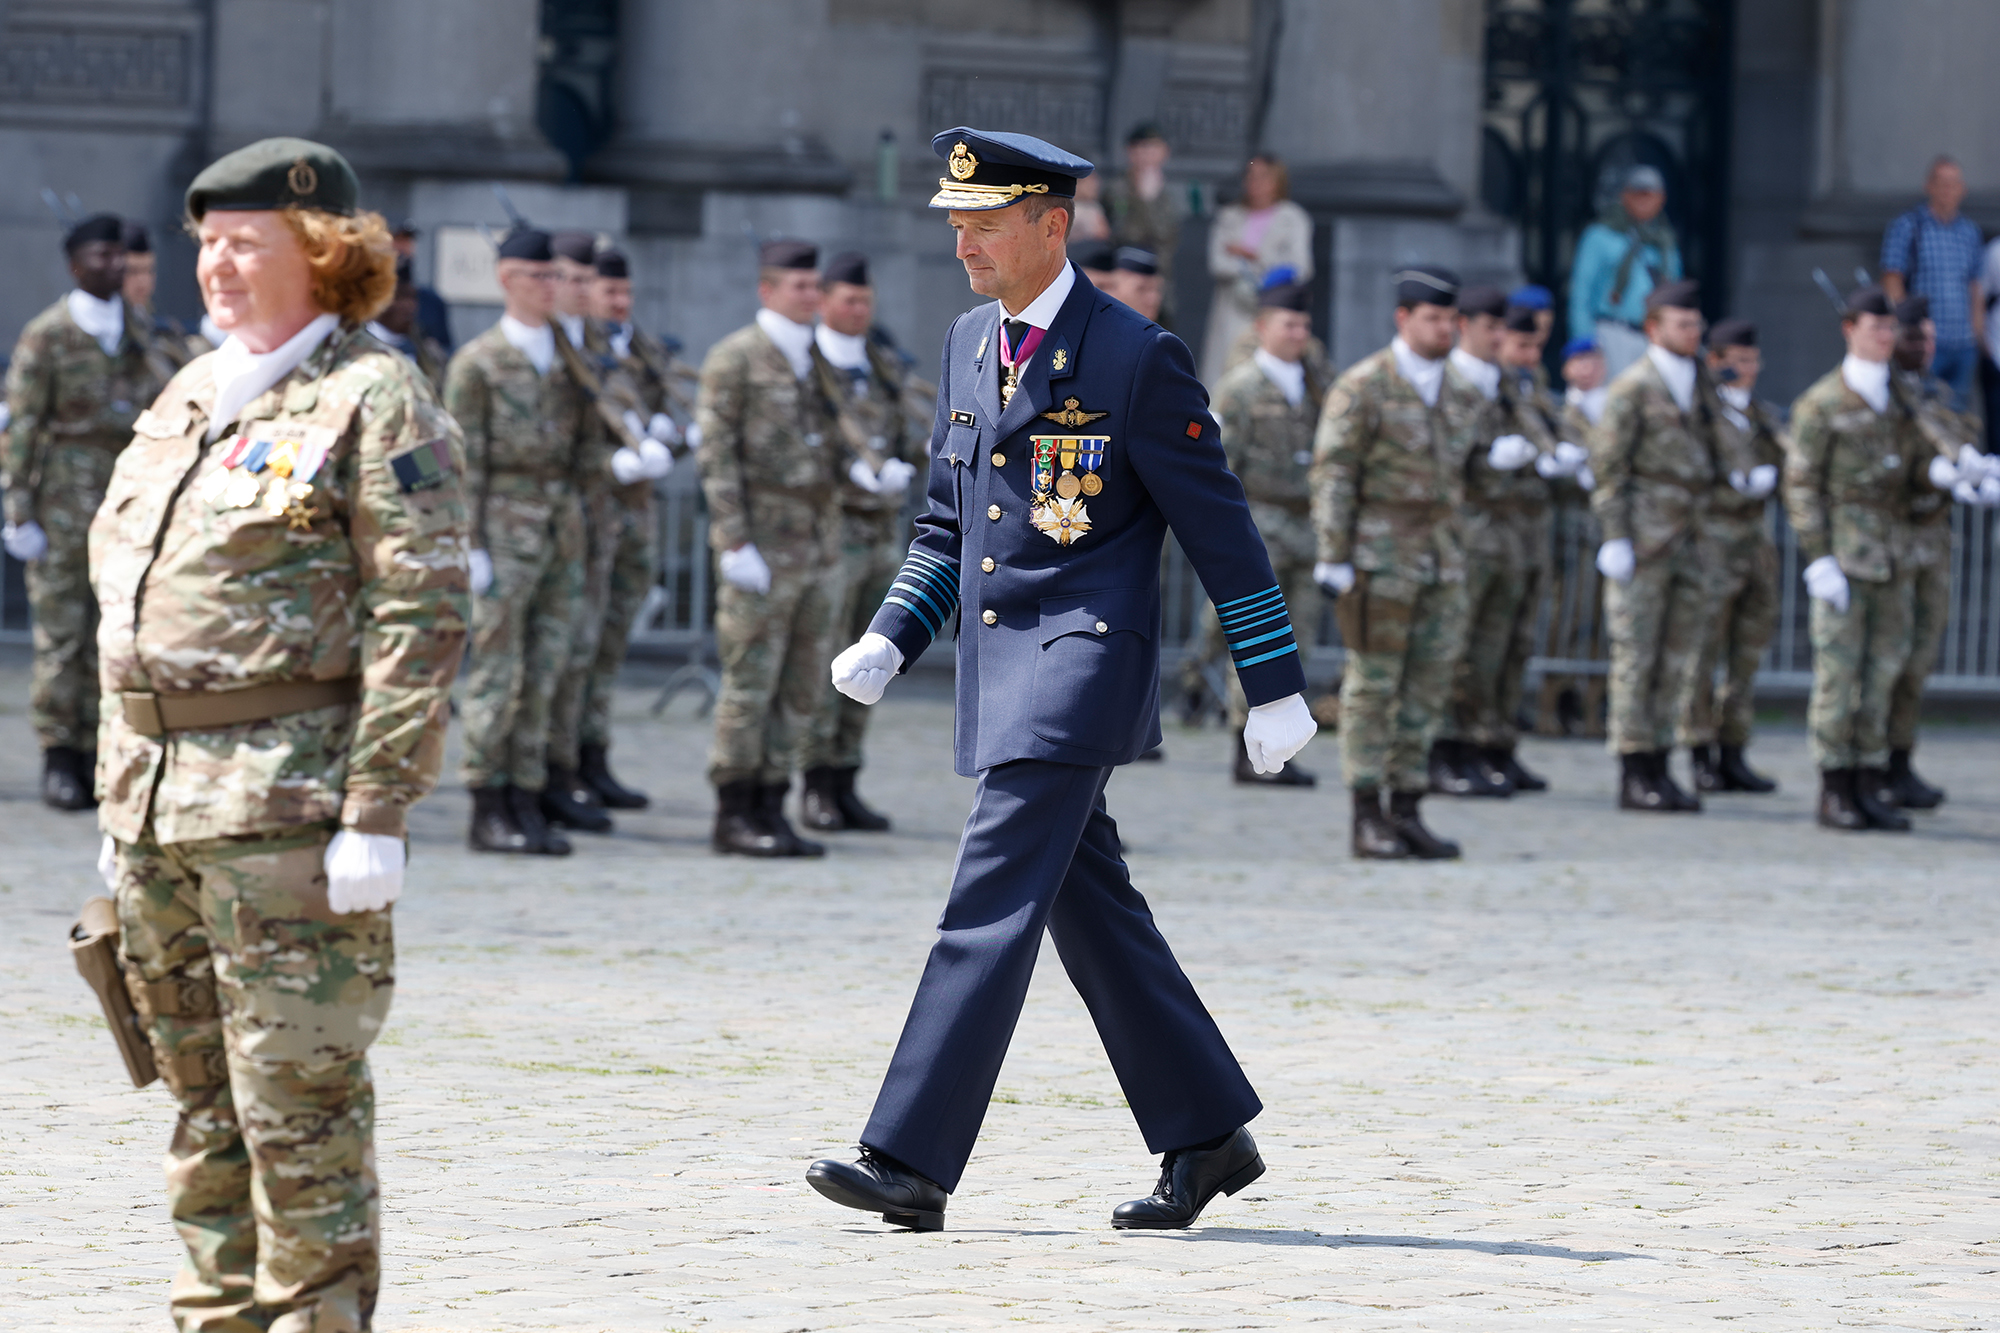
<point x="1071" y="434"/>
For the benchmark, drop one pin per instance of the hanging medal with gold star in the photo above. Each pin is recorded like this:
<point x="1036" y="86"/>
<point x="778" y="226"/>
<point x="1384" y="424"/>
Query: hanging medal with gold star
<point x="1063" y="520"/>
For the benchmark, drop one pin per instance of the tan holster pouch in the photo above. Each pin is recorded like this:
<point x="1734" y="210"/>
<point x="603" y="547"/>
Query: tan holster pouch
<point x="93" y="942"/>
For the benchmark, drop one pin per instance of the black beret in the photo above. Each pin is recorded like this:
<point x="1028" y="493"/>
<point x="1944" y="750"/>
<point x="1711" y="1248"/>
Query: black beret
<point x="135" y="238"/>
<point x="1868" y="300"/>
<point x="1913" y="310"/>
<point x="276" y="173"/>
<point x="1482" y="301"/>
<point x="1426" y="285"/>
<point x="1144" y="130"/>
<point x="1522" y="319"/>
<point x="1099" y="255"/>
<point x="96" y="227"/>
<point x="612" y="264"/>
<point x="525" y="242"/>
<point x="849" y="266"/>
<point x="1286" y="296"/>
<point x="406" y="272"/>
<point x="1682" y="295"/>
<point x="1733" y="333"/>
<point x="788" y="254"/>
<point x="986" y="170"/>
<point x="1131" y="259"/>
<point x="577" y="246"/>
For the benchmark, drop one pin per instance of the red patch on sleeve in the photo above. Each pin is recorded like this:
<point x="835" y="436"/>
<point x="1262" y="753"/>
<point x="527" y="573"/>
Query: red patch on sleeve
<point x="1194" y="430"/>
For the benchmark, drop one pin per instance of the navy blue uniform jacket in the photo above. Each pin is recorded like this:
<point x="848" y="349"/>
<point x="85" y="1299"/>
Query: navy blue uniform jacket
<point x="1070" y="669"/>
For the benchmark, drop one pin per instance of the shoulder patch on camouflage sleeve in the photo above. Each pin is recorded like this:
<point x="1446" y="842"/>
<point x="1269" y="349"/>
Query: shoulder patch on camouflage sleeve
<point x="424" y="467"/>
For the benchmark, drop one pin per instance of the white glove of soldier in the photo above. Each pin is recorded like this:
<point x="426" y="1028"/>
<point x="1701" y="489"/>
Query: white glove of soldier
<point x="659" y="459"/>
<point x="107" y="863"/>
<point x="1615" y="560"/>
<point x="26" y="542"/>
<point x="1757" y="483"/>
<point x="692" y="435"/>
<point x="744" y="567"/>
<point x="1966" y="492"/>
<point x="479" y="569"/>
<point x="1563" y="462"/>
<point x="627" y="466"/>
<point x="1333" y="579"/>
<point x="1826" y="583"/>
<point x="364" y="871"/>
<point x="1510" y="452"/>
<point x="896" y="476"/>
<point x="1943" y="473"/>
<point x="863" y="476"/>
<point x="863" y="671"/>
<point x="1989" y="492"/>
<point x="664" y="429"/>
<point x="1276" y="731"/>
<point x="1585" y="478"/>
<point x="6" y="415"/>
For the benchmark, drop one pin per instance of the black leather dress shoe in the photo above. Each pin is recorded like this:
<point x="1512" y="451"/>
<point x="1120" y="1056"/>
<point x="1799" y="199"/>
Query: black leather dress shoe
<point x="877" y="1183"/>
<point x="1189" y="1178"/>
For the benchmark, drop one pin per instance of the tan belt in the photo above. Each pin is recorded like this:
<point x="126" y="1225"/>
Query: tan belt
<point x="155" y="715"/>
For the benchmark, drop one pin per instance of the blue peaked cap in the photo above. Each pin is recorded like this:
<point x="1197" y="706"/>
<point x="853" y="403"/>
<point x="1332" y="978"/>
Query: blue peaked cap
<point x="986" y="169"/>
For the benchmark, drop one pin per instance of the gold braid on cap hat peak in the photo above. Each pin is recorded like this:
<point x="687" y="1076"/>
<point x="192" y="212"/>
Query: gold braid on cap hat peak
<point x="962" y="164"/>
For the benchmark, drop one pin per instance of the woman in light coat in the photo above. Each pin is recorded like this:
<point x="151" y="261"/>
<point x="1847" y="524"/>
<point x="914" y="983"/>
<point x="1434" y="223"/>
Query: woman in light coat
<point x="1265" y="231"/>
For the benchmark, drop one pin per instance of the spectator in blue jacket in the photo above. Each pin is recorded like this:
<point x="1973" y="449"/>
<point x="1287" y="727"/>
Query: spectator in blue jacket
<point x="1935" y="251"/>
<point x="1619" y="259"/>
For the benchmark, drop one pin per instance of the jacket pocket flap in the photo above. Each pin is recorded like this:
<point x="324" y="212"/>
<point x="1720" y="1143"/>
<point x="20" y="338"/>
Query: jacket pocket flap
<point x="1106" y="612"/>
<point x="961" y="445"/>
<point x="161" y="426"/>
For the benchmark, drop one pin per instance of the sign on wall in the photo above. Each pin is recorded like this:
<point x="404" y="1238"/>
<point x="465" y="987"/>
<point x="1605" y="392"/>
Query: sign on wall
<point x="464" y="266"/>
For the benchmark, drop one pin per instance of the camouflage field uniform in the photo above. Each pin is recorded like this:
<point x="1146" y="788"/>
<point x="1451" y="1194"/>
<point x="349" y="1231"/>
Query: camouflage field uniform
<point x="768" y="463"/>
<point x="1930" y="551"/>
<point x="1388" y="481"/>
<point x="1746" y="572"/>
<point x="73" y="409"/>
<point x="260" y="1002"/>
<point x="528" y="438"/>
<point x="874" y="422"/>
<point x="1849" y="483"/>
<point x="1269" y="443"/>
<point x="1657" y="472"/>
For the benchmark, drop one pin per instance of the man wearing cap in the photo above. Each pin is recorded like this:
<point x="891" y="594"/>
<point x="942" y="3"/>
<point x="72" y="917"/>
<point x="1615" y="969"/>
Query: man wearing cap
<point x="770" y="454"/>
<point x="79" y="377"/>
<point x="1245" y="347"/>
<point x="1620" y="259"/>
<point x="1716" y="728"/>
<point x="167" y="343"/>
<point x="281" y="567"/>
<point x="1098" y="262"/>
<point x="397" y="326"/>
<point x="862" y="384"/>
<point x="1585" y="387"/>
<point x="433" y="318"/>
<point x="1071" y="436"/>
<point x="1139" y="282"/>
<point x="1388" y="484"/>
<point x="1145" y="210"/>
<point x="531" y="438"/>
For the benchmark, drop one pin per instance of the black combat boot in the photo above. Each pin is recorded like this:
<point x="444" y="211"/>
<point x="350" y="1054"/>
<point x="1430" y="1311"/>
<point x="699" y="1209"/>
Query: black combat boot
<point x="1636" y="788"/>
<point x="66" y="783"/>
<point x="738" y="829"/>
<point x="1701" y="758"/>
<point x="493" y="827"/>
<point x="594" y="767"/>
<point x="1475" y="764"/>
<point x="1446" y="776"/>
<point x="1679" y="799"/>
<point x="527" y="808"/>
<point x="1409" y="826"/>
<point x="1870" y="786"/>
<point x="1911" y="792"/>
<point x="569" y="802"/>
<point x="1373" y="839"/>
<point x="819" y="805"/>
<point x="1291" y="775"/>
<point x="771" y="814"/>
<point x="1836" y="800"/>
<point x="1737" y="775"/>
<point x="1503" y="760"/>
<point x="860" y="818"/>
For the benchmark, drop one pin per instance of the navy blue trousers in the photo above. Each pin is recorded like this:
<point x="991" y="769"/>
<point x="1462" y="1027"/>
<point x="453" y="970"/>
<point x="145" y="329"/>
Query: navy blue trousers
<point x="1039" y="851"/>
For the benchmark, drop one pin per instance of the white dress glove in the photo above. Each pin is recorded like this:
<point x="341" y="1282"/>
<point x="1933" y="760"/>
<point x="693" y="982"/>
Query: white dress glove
<point x="26" y="542"/>
<point x="1966" y="492"/>
<point x="1943" y="473"/>
<point x="864" y="476"/>
<point x="1826" y="583"/>
<point x="863" y="671"/>
<point x="896" y="476"/>
<point x="107" y="863"/>
<point x="1757" y="483"/>
<point x="1585" y="478"/>
<point x="479" y="567"/>
<point x="1615" y="560"/>
<point x="1989" y="492"/>
<point x="659" y="459"/>
<point x="664" y="429"/>
<point x="627" y="466"/>
<point x="744" y="568"/>
<point x="364" y="871"/>
<point x="1333" y="579"/>
<point x="1510" y="452"/>
<point x="1276" y="731"/>
<point x="1564" y="462"/>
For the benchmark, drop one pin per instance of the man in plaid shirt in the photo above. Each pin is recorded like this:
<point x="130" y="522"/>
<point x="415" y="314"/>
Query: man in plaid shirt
<point x="1934" y="251"/>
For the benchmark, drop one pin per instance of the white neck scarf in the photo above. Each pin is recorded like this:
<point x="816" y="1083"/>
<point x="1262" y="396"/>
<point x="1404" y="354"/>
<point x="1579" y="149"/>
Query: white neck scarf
<point x="538" y="343"/>
<point x="242" y="375"/>
<point x="794" y="340"/>
<point x="573" y="329"/>
<point x="1484" y="375"/>
<point x="847" y="351"/>
<point x="1590" y="402"/>
<point x="1677" y="371"/>
<point x="1288" y="376"/>
<point x="1870" y="379"/>
<point x="1424" y="375"/>
<point x="102" y="320"/>
<point x="621" y="339"/>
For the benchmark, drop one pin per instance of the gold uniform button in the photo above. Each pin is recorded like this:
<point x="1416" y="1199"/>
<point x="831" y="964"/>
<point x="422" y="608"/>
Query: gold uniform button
<point x="990" y="617"/>
<point x="999" y="460"/>
<point x="1102" y="627"/>
<point x="993" y="512"/>
<point x="988" y="565"/>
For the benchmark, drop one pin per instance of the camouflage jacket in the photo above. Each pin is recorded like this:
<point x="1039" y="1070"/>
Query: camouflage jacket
<point x="1763" y="443"/>
<point x="1657" y="467"/>
<point x="649" y="377"/>
<point x="1517" y="411"/>
<point x="872" y="421"/>
<point x="1850" y="475"/>
<point x="1945" y="429"/>
<point x="361" y="574"/>
<point x="1269" y="442"/>
<point x="527" y="436"/>
<point x="1388" y="474"/>
<point x="73" y="409"/>
<point x="768" y="453"/>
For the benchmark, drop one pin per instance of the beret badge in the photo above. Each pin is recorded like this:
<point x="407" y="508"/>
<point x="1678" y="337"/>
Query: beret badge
<point x="302" y="179"/>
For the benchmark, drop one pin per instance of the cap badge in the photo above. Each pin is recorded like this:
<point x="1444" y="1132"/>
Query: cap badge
<point x="962" y="163"/>
<point x="302" y="179"/>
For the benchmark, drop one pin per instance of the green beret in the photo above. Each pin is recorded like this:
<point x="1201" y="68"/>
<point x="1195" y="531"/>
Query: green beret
<point x="273" y="174"/>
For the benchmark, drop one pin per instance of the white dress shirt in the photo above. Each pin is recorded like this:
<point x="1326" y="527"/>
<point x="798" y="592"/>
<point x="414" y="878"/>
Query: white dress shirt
<point x="1736" y="405"/>
<point x="794" y="340"/>
<point x="1482" y="375"/>
<point x="1677" y="371"/>
<point x="621" y="338"/>
<point x="538" y="344"/>
<point x="241" y="374"/>
<point x="1870" y="379"/>
<point x="572" y="327"/>
<point x="1590" y="402"/>
<point x="1288" y="376"/>
<point x="1041" y="312"/>
<point x="102" y="320"/>
<point x="1424" y="375"/>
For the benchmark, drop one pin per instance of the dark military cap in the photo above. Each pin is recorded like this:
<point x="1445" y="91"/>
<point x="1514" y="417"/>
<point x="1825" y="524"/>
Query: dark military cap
<point x="525" y="242"/>
<point x="405" y="227"/>
<point x="406" y="272"/>
<point x="1521" y="319"/>
<point x="1132" y="259"/>
<point x="1285" y="296"/>
<point x="578" y="246"/>
<point x="1913" y="310"/>
<point x="1868" y="300"/>
<point x="276" y="173"/>
<point x="96" y="227"/>
<point x="1483" y="301"/>
<point x="986" y="171"/>
<point x="135" y="238"/>
<point x="612" y="263"/>
<point x="1426" y="285"/>
<point x="1733" y="333"/>
<point x="1144" y="130"/>
<point x="849" y="266"/>
<point x="1099" y="255"/>
<point x="788" y="254"/>
<point x="1682" y="295"/>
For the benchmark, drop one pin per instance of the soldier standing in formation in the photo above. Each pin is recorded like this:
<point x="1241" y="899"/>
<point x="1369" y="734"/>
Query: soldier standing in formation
<point x="1388" y="481"/>
<point x="167" y="344"/>
<point x="768" y="469"/>
<point x="397" y="327"/>
<point x="1716" y="728"/>
<point x="1145" y="210"/>
<point x="863" y="383"/>
<point x="80" y="376"/>
<point x="256" y="783"/>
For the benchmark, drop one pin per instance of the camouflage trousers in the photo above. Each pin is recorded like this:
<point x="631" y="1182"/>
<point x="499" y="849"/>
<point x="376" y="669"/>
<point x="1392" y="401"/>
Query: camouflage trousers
<point x="1659" y="622"/>
<point x="775" y="648"/>
<point x="1743" y="627"/>
<point x="1857" y="656"/>
<point x="1930" y="610"/>
<point x="604" y="525"/>
<point x="521" y="628"/>
<point x="868" y="565"/>
<point x="261" y="1004"/>
<point x="631" y="582"/>
<point x="62" y="692"/>
<point x="1403" y="645"/>
<point x="1502" y="595"/>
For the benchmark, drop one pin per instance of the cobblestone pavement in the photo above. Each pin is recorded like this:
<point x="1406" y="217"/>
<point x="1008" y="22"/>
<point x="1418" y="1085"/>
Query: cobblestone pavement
<point x="1621" y="1072"/>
